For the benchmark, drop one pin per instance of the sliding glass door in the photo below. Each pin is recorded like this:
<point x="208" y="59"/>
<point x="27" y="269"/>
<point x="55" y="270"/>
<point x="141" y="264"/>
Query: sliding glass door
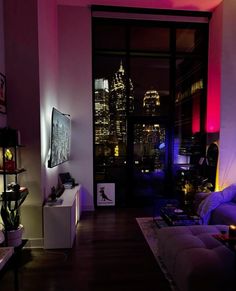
<point x="148" y="154"/>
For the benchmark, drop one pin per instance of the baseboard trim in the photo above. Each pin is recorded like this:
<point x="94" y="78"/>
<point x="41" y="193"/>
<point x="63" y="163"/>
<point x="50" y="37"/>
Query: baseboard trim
<point x="34" y="243"/>
<point x="87" y="208"/>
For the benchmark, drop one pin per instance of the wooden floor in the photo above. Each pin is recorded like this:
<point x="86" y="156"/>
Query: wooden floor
<point x="110" y="254"/>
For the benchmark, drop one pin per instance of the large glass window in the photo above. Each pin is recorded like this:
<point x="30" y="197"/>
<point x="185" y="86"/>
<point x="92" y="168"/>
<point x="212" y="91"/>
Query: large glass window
<point x="146" y="38"/>
<point x="110" y="115"/>
<point x="109" y="36"/>
<point x="191" y="40"/>
<point x="149" y="98"/>
<point x="151" y="82"/>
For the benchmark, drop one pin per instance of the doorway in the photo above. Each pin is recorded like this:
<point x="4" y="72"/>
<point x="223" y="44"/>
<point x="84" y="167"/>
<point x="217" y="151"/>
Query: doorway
<point x="148" y="157"/>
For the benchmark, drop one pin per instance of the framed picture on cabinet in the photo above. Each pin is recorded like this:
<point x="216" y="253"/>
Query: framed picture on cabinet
<point x="106" y="194"/>
<point x="3" y="93"/>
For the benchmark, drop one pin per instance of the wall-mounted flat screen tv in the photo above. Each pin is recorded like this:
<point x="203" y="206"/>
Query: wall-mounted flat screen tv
<point x="60" y="138"/>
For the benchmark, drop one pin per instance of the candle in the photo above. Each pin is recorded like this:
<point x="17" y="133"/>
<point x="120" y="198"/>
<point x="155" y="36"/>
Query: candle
<point x="232" y="231"/>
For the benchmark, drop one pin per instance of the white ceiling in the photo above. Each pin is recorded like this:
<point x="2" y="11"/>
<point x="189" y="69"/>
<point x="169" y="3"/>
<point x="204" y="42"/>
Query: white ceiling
<point x="193" y="5"/>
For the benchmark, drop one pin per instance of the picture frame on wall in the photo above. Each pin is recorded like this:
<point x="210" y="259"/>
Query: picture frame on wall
<point x="3" y="108"/>
<point x="105" y="194"/>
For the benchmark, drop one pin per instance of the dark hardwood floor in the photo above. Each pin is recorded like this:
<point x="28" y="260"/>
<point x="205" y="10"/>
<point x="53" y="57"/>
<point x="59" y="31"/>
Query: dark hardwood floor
<point x="109" y="254"/>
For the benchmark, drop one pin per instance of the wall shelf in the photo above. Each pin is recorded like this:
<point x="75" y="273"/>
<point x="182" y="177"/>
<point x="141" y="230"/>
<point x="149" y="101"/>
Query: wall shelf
<point x="12" y="195"/>
<point x="15" y="172"/>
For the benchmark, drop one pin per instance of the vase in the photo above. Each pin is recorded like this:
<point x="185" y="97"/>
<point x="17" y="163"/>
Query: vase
<point x="14" y="237"/>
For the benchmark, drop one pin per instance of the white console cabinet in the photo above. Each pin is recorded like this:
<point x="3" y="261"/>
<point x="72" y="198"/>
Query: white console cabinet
<point x="60" y="220"/>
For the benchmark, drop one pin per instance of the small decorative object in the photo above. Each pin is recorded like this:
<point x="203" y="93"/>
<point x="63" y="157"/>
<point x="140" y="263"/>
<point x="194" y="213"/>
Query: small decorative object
<point x="106" y="194"/>
<point x="2" y="93"/>
<point x="14" y="237"/>
<point x="9" y="163"/>
<point x="232" y="231"/>
<point x="13" y="187"/>
<point x="53" y="194"/>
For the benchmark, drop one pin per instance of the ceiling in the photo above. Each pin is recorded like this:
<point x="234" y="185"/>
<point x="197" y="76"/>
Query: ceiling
<point x="193" y="5"/>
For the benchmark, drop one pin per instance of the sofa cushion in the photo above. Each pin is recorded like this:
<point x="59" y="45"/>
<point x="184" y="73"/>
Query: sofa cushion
<point x="214" y="200"/>
<point x="224" y="214"/>
<point x="230" y="193"/>
<point x="195" y="259"/>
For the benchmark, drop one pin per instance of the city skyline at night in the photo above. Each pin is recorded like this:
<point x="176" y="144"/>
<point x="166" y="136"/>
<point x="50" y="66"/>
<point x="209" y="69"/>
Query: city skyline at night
<point x="112" y="106"/>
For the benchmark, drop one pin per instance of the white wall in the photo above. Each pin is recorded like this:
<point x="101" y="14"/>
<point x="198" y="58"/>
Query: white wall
<point x="48" y="78"/>
<point x="23" y="100"/>
<point x="66" y="85"/>
<point x="75" y="92"/>
<point x="228" y="96"/>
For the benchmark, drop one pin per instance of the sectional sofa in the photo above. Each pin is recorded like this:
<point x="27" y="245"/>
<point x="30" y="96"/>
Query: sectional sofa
<point x="193" y="256"/>
<point x="195" y="259"/>
<point x="217" y="207"/>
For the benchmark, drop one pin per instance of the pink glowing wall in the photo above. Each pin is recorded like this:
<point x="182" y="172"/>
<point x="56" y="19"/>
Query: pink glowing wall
<point x="196" y="115"/>
<point x="214" y="73"/>
<point x="200" y="5"/>
<point x="227" y="170"/>
<point x="48" y="71"/>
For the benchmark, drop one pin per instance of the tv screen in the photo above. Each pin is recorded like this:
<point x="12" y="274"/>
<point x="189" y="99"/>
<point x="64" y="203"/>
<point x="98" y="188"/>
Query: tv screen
<point x="60" y="138"/>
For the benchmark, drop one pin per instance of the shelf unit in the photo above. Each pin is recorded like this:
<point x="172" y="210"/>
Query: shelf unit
<point x="13" y="170"/>
<point x="5" y="171"/>
<point x="11" y="198"/>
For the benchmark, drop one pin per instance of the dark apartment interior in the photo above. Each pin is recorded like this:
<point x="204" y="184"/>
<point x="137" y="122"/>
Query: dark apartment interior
<point x="113" y="113"/>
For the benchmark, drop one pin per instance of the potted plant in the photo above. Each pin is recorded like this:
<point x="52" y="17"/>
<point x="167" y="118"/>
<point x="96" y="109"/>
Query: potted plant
<point x="10" y="213"/>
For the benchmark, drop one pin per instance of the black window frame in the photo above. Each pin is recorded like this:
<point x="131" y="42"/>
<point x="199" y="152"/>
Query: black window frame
<point x="172" y="56"/>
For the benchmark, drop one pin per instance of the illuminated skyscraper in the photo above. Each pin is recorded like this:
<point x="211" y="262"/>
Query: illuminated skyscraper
<point x="102" y="116"/>
<point x="120" y="105"/>
<point x="151" y="102"/>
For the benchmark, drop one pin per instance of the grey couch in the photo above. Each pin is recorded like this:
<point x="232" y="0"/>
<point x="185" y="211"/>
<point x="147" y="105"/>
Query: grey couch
<point x="217" y="207"/>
